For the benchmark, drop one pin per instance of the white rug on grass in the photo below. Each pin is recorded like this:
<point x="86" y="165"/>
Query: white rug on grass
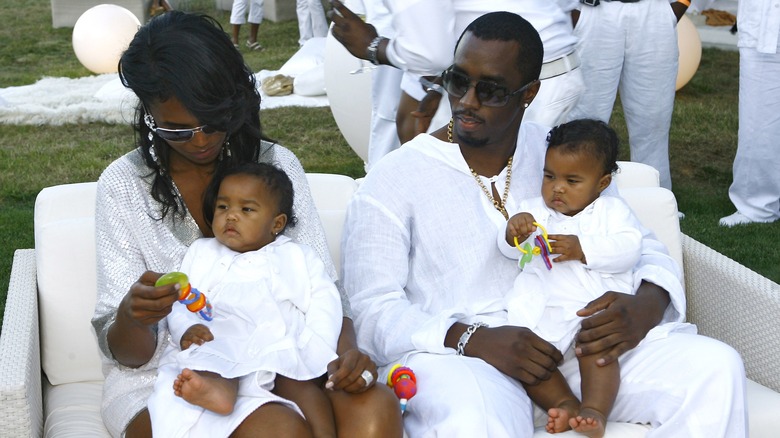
<point x="102" y="98"/>
<point x="58" y="101"/>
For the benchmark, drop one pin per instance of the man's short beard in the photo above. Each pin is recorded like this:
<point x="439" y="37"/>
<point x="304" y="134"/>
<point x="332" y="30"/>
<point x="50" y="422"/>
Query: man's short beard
<point x="468" y="140"/>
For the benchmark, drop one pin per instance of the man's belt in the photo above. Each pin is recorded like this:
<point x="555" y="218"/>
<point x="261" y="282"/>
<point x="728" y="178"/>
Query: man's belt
<point x="559" y="66"/>
<point x="597" y="2"/>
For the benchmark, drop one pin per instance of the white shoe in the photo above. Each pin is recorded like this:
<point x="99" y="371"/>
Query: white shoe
<point x="738" y="219"/>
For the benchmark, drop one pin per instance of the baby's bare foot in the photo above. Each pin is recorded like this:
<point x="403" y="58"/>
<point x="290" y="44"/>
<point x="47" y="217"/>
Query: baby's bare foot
<point x="558" y="417"/>
<point x="207" y="390"/>
<point x="589" y="422"/>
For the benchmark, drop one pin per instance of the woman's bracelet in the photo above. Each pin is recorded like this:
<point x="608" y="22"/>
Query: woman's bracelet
<point x="464" y="338"/>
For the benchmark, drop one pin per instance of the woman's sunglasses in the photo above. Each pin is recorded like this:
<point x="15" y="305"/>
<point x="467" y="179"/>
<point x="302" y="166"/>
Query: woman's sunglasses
<point x="489" y="93"/>
<point x="176" y="135"/>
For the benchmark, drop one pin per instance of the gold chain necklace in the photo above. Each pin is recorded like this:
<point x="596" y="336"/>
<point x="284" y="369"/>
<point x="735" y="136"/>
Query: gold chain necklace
<point x="499" y="204"/>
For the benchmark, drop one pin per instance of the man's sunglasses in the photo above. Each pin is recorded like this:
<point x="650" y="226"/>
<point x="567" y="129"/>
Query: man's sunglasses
<point x="176" y="135"/>
<point x="489" y="93"/>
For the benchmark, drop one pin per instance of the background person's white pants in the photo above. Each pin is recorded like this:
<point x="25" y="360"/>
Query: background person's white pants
<point x="631" y="48"/>
<point x="385" y="93"/>
<point x="756" y="187"/>
<point x="238" y="14"/>
<point x="311" y="20"/>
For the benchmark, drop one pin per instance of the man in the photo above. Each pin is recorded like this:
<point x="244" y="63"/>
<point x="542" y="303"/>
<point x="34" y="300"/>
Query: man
<point x="631" y="46"/>
<point x="755" y="191"/>
<point x="424" y="273"/>
<point x="423" y="44"/>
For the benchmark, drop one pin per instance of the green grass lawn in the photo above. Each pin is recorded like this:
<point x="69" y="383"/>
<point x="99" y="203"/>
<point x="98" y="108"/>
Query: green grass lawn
<point x="703" y="137"/>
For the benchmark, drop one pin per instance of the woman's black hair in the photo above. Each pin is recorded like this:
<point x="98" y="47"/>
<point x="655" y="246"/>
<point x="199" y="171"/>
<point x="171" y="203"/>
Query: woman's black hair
<point x="189" y="57"/>
<point x="277" y="182"/>
<point x="590" y="136"/>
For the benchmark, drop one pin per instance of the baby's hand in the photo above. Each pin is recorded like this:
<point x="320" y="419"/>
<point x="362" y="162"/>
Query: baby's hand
<point x="568" y="246"/>
<point x="196" y="334"/>
<point x="520" y="225"/>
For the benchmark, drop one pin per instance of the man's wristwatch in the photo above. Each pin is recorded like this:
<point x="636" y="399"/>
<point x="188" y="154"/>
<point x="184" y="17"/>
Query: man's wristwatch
<point x="372" y="52"/>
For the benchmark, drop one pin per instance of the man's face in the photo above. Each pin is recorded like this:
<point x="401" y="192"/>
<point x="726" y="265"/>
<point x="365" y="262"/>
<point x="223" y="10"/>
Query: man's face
<point x="476" y="124"/>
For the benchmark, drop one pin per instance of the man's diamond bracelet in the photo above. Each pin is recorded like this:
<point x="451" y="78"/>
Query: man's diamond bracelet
<point x="464" y="338"/>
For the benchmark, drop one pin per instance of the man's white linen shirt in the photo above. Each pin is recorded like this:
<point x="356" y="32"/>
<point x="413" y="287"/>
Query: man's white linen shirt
<point x="759" y="25"/>
<point x="426" y="31"/>
<point x="420" y="246"/>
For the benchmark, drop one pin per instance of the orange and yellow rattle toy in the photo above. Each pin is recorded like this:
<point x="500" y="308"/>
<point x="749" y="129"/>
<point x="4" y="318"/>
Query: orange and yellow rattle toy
<point x="404" y="383"/>
<point x="542" y="248"/>
<point x="194" y="299"/>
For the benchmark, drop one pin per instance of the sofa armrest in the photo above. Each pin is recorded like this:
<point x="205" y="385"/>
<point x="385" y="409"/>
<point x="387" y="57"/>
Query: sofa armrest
<point x="736" y="305"/>
<point x="20" y="361"/>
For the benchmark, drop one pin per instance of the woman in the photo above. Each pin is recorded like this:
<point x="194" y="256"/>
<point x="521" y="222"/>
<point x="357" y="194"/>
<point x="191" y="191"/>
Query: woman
<point x="198" y="116"/>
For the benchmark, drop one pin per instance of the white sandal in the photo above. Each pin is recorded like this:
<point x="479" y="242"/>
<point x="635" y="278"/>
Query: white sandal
<point x="254" y="46"/>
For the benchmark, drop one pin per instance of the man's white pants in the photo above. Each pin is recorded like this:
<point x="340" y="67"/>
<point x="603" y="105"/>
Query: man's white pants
<point x="631" y="48"/>
<point x="385" y="93"/>
<point x="684" y="385"/>
<point x="238" y="12"/>
<point x="556" y="98"/>
<point x="756" y="187"/>
<point x="311" y="20"/>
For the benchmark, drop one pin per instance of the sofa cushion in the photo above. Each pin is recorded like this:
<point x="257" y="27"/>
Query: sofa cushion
<point x="656" y="208"/>
<point x="331" y="195"/>
<point x="73" y="410"/>
<point x="67" y="285"/>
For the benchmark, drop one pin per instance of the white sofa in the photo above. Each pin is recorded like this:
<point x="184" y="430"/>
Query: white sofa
<point x="50" y="373"/>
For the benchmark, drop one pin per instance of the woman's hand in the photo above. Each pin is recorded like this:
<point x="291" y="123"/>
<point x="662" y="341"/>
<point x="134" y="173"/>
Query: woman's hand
<point x="616" y="322"/>
<point x="346" y="372"/>
<point x="131" y="338"/>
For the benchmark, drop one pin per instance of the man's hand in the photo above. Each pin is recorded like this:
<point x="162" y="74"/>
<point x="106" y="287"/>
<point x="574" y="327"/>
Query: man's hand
<point x="515" y="351"/>
<point x="425" y="111"/>
<point x="197" y="334"/>
<point x="568" y="246"/>
<point x="351" y="31"/>
<point x="678" y="9"/>
<point x="616" y="322"/>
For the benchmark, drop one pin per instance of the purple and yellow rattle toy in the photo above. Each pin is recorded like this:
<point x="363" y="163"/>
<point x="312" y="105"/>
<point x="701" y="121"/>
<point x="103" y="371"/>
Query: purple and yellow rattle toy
<point x="541" y="247"/>
<point x="404" y="383"/>
<point x="194" y="299"/>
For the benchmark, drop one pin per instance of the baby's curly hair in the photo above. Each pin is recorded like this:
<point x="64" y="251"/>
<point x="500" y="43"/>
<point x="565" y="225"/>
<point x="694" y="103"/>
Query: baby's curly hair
<point x="277" y="182"/>
<point x="590" y="136"/>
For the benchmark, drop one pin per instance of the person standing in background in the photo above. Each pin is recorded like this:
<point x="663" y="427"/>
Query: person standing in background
<point x="238" y="16"/>
<point x="755" y="190"/>
<point x="311" y="20"/>
<point x="385" y="85"/>
<point x="630" y="46"/>
<point x="424" y="44"/>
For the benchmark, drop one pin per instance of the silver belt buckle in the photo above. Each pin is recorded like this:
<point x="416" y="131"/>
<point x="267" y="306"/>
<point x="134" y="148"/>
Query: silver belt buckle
<point x="590" y="2"/>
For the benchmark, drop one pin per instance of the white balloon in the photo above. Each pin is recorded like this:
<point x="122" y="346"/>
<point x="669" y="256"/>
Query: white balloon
<point x="101" y="34"/>
<point x="689" y="45"/>
<point x="349" y="95"/>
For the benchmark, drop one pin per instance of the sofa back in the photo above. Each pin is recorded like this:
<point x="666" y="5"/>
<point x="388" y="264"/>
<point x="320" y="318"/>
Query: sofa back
<point x="65" y="255"/>
<point x="67" y="285"/>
